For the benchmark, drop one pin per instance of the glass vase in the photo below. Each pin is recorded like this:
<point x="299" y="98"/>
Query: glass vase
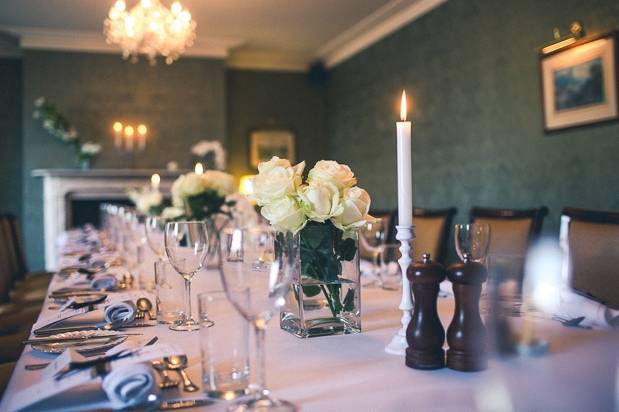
<point x="325" y="296"/>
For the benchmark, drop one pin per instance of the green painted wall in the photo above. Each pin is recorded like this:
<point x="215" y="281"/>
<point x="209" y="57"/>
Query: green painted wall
<point x="10" y="136"/>
<point x="472" y="70"/>
<point x="269" y="99"/>
<point x="181" y="104"/>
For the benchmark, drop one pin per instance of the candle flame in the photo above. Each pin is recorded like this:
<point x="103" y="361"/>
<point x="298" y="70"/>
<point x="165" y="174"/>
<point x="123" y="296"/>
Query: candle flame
<point x="199" y="169"/>
<point x="142" y="129"/>
<point x="118" y="127"/>
<point x="155" y="180"/>
<point x="403" y="107"/>
<point x="129" y="131"/>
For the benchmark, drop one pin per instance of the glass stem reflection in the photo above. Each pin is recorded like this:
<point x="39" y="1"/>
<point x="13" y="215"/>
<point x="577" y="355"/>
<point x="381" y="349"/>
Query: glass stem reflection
<point x="260" y="385"/>
<point x="188" y="297"/>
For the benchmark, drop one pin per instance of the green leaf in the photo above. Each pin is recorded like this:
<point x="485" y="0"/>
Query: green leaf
<point x="349" y="300"/>
<point x="311" y="291"/>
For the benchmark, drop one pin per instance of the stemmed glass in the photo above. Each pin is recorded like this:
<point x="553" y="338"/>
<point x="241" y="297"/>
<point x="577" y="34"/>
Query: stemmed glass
<point x="186" y="246"/>
<point x="373" y="236"/>
<point x="154" y="228"/>
<point x="267" y="283"/>
<point x="472" y="241"/>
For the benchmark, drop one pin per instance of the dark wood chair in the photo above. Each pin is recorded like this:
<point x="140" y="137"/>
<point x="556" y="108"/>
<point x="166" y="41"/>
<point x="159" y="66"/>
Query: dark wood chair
<point x="432" y="227"/>
<point x="511" y="230"/>
<point x="590" y="240"/>
<point x="511" y="233"/>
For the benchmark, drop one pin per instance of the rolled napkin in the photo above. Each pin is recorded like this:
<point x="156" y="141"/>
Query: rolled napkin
<point x="104" y="282"/>
<point x="129" y="385"/>
<point x="120" y="312"/>
<point x="595" y="314"/>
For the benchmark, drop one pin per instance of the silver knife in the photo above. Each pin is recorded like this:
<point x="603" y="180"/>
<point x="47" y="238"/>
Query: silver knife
<point x="181" y="403"/>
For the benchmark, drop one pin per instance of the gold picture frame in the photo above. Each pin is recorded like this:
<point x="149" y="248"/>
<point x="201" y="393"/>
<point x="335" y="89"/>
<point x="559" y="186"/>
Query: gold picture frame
<point x="579" y="83"/>
<point x="265" y="143"/>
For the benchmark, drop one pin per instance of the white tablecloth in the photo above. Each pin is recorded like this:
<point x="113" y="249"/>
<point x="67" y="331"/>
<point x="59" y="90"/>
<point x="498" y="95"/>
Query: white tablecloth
<point x="353" y="373"/>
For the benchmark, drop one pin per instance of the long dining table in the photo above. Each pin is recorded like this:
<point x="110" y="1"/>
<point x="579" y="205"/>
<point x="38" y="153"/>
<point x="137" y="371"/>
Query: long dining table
<point x="580" y="372"/>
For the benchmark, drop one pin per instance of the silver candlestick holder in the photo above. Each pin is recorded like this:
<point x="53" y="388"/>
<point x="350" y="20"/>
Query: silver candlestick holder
<point x="398" y="344"/>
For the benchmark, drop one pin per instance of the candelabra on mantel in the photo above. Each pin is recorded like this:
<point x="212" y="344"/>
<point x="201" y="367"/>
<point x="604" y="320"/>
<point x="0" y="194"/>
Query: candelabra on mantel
<point x="124" y="137"/>
<point x="405" y="228"/>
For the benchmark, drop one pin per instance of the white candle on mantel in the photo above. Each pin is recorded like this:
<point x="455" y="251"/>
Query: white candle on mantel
<point x="155" y="179"/>
<point x="199" y="169"/>
<point x="405" y="168"/>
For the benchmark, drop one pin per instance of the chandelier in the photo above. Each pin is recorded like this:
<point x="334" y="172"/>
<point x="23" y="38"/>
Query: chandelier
<point x="150" y="28"/>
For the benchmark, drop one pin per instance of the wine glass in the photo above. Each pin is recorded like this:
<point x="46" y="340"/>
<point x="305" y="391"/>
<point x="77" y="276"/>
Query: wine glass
<point x="472" y="241"/>
<point x="268" y="284"/>
<point x="372" y="239"/>
<point x="154" y="228"/>
<point x="186" y="246"/>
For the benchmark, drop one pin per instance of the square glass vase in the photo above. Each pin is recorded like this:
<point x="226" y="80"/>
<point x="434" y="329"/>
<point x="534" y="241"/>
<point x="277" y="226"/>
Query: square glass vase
<point x="324" y="297"/>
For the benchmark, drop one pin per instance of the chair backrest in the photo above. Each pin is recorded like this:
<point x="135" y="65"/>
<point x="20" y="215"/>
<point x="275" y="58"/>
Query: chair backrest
<point x="590" y="240"/>
<point x="511" y="230"/>
<point x="432" y="232"/>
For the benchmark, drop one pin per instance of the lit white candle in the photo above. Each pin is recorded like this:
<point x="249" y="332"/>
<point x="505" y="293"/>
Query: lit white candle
<point x="199" y="169"/>
<point x="129" y="138"/>
<point x="118" y="134"/>
<point x="154" y="181"/>
<point x="405" y="168"/>
<point x="142" y="130"/>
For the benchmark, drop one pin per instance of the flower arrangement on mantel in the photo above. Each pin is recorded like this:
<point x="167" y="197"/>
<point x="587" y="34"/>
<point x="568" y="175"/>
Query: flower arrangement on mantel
<point x="326" y="210"/>
<point x="57" y="124"/>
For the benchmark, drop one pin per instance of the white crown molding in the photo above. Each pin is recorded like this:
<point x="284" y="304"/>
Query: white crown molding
<point x="90" y="41"/>
<point x="384" y="21"/>
<point x="268" y="60"/>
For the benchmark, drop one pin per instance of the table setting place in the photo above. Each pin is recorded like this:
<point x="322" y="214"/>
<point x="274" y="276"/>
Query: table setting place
<point x="158" y="308"/>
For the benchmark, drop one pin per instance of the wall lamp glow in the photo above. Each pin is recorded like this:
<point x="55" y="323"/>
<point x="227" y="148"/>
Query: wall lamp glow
<point x="577" y="31"/>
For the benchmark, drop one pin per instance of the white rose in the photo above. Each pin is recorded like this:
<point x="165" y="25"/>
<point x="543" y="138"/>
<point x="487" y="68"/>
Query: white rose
<point x="171" y="212"/>
<point x="321" y="200"/>
<point x="285" y="215"/>
<point x="222" y="182"/>
<point x="332" y="171"/>
<point x="39" y="102"/>
<point x="356" y="204"/>
<point x="276" y="179"/>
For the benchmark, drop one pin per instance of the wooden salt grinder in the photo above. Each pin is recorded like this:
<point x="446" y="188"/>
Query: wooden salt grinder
<point x="425" y="334"/>
<point x="466" y="334"/>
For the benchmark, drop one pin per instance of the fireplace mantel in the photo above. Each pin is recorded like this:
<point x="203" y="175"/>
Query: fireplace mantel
<point x="62" y="185"/>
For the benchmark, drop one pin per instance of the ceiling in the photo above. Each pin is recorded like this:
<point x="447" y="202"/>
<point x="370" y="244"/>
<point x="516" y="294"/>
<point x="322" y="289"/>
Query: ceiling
<point x="276" y="32"/>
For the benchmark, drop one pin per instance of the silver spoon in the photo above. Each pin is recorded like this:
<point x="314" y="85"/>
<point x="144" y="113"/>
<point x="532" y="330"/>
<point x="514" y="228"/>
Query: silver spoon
<point x="179" y="363"/>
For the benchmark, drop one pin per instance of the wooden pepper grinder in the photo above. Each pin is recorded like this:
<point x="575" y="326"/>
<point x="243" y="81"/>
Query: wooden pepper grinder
<point x="466" y="334"/>
<point x="425" y="334"/>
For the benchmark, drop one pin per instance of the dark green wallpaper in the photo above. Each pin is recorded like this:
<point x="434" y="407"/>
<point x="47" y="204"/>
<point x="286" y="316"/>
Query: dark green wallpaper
<point x="471" y="69"/>
<point x="10" y="136"/>
<point x="269" y="99"/>
<point x="181" y="104"/>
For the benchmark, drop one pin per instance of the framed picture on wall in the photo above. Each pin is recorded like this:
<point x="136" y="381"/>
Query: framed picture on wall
<point x="266" y="143"/>
<point x="579" y="83"/>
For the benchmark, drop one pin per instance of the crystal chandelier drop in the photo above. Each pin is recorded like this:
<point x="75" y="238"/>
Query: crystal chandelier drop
<point x="150" y="28"/>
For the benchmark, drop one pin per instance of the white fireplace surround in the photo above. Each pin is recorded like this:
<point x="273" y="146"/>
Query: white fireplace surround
<point x="61" y="186"/>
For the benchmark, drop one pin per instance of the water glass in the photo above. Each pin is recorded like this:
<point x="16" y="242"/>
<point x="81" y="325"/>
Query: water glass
<point x="169" y="288"/>
<point x="224" y="345"/>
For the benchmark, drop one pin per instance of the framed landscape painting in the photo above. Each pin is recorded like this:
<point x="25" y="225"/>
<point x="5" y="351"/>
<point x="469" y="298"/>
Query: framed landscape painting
<point x="266" y="143"/>
<point x="579" y="83"/>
